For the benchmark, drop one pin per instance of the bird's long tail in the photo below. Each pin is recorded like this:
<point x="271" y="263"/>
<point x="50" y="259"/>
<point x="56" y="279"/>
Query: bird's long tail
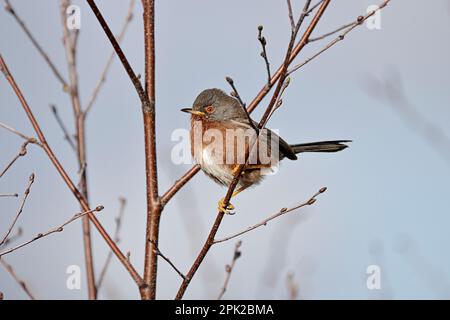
<point x="322" y="146"/>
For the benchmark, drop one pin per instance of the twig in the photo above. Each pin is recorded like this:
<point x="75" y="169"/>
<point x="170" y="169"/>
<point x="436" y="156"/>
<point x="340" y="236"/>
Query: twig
<point x="14" y="237"/>
<point x="291" y="15"/>
<point x="314" y="7"/>
<point x="263" y="42"/>
<point x="9" y="195"/>
<point x="108" y="64"/>
<point x="116" y="238"/>
<point x="235" y="93"/>
<point x="20" y="281"/>
<point x="19" y="211"/>
<point x="359" y="21"/>
<point x="53" y="230"/>
<point x="325" y="35"/>
<point x="147" y="97"/>
<point x="70" y="40"/>
<point x="229" y="269"/>
<point x="63" y="127"/>
<point x="41" y="51"/>
<point x="20" y="134"/>
<point x="159" y="253"/>
<point x="264" y="222"/>
<point x="282" y="75"/>
<point x="77" y="194"/>
<point x="22" y="152"/>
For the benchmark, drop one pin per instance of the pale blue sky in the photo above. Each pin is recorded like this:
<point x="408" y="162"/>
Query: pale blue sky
<point x="387" y="199"/>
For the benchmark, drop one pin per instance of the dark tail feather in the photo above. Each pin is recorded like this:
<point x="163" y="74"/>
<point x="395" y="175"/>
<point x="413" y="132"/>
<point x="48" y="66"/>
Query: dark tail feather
<point x="323" y="146"/>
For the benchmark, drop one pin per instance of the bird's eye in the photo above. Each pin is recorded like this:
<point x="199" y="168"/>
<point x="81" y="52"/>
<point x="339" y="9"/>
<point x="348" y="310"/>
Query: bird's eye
<point x="209" y="109"/>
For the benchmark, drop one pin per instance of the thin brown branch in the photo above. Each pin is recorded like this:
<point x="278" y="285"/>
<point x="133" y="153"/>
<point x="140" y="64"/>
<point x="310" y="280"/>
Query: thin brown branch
<point x="63" y="127"/>
<point x="280" y="213"/>
<point x="20" y="134"/>
<point x="325" y="35"/>
<point x="282" y="75"/>
<point x="22" y="152"/>
<point x="359" y="21"/>
<point x="77" y="194"/>
<point x="19" y="211"/>
<point x="13" y="237"/>
<point x="19" y="280"/>
<point x="165" y="198"/>
<point x="159" y="253"/>
<point x="234" y="93"/>
<point x="147" y="97"/>
<point x="13" y="12"/>
<point x="102" y="79"/>
<point x="229" y="269"/>
<point x="52" y="230"/>
<point x="70" y="40"/>
<point x="116" y="238"/>
<point x="314" y="7"/>
<point x="291" y="15"/>
<point x="262" y="40"/>
<point x="154" y="207"/>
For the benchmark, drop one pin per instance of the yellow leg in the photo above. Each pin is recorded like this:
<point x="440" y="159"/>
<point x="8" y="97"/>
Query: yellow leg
<point x="227" y="209"/>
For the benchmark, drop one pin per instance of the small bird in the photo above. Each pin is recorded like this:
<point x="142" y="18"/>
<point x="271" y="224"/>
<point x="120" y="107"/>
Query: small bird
<point x="223" y="136"/>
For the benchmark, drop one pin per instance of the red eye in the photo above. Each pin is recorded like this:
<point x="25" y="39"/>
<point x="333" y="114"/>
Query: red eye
<point x="209" y="109"/>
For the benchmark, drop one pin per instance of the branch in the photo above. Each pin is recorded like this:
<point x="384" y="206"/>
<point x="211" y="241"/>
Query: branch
<point x="280" y="213"/>
<point x="128" y="266"/>
<point x="325" y="35"/>
<point x="63" y="127"/>
<point x="235" y="93"/>
<point x="263" y="42"/>
<point x="51" y="231"/>
<point x="20" y="134"/>
<point x="154" y="207"/>
<point x="108" y="64"/>
<point x="70" y="40"/>
<point x="12" y="11"/>
<point x="359" y="21"/>
<point x="20" y="281"/>
<point x="118" y="220"/>
<point x="19" y="211"/>
<point x="159" y="253"/>
<point x="22" y="152"/>
<point x="229" y="269"/>
<point x="14" y="237"/>
<point x="282" y="75"/>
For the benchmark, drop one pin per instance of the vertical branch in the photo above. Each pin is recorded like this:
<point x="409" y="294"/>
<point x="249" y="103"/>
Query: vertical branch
<point x="154" y="207"/>
<point x="70" y="43"/>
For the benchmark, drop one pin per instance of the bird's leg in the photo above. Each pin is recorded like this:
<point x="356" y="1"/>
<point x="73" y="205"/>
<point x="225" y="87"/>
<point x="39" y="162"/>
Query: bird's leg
<point x="227" y="209"/>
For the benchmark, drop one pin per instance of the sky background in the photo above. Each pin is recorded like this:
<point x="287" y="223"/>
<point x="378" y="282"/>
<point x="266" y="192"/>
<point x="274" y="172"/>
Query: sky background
<point x="387" y="201"/>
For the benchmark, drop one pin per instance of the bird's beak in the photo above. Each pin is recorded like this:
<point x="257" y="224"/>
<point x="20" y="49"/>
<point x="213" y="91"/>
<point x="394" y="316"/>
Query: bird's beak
<point x="197" y="113"/>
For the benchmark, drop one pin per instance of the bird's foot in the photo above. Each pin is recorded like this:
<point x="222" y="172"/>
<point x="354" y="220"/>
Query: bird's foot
<point x="225" y="209"/>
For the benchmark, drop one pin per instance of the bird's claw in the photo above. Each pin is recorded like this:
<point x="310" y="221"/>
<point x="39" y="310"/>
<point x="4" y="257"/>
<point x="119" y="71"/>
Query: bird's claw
<point x="225" y="209"/>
